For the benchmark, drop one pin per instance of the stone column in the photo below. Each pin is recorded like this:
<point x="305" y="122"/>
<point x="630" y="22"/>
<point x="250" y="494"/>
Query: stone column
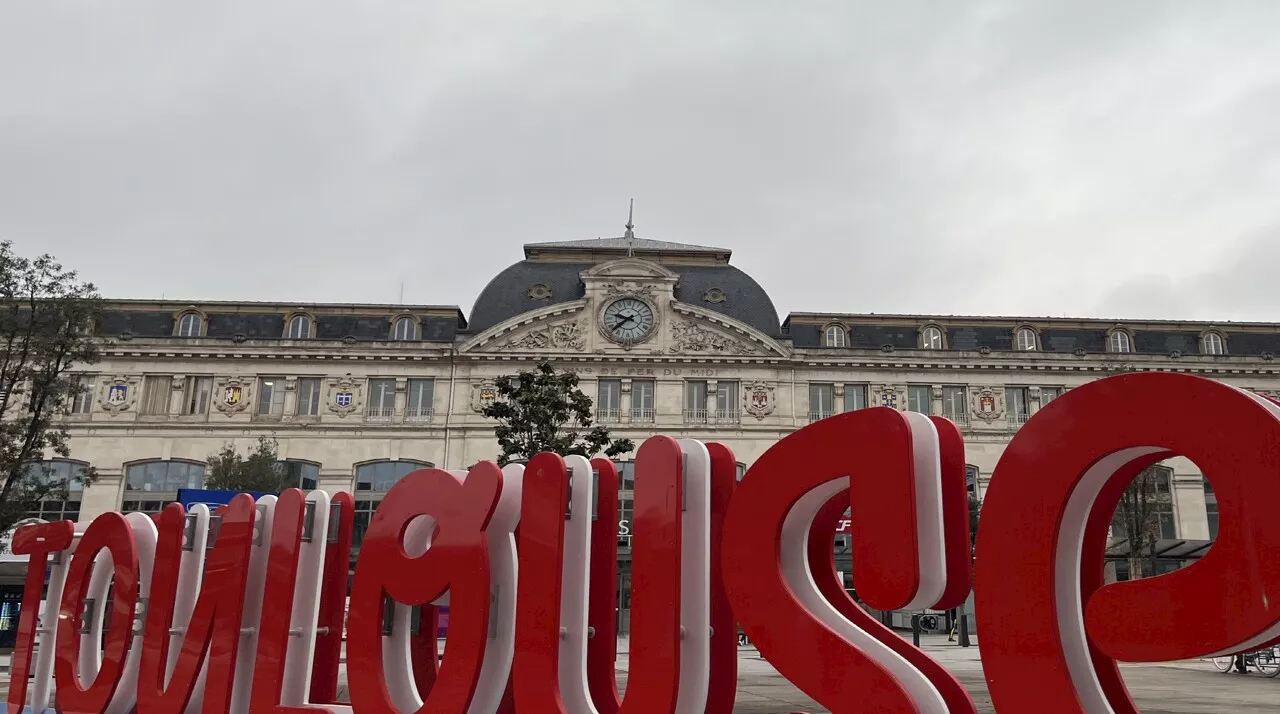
<point x="935" y="399"/>
<point x="1189" y="503"/>
<point x="712" y="399"/>
<point x="837" y="398"/>
<point x="290" y="407"/>
<point x="1033" y="400"/>
<point x="176" y="396"/>
<point x="402" y="398"/>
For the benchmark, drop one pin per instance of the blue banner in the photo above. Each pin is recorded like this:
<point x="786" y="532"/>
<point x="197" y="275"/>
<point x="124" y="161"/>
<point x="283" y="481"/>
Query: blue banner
<point x="189" y="497"/>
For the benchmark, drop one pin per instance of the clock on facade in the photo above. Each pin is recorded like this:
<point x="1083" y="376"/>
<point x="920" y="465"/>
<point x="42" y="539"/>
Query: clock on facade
<point x="628" y="320"/>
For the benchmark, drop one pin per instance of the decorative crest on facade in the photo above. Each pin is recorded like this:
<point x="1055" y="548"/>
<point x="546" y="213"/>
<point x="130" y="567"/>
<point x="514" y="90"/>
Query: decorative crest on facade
<point x="344" y="396"/>
<point x="232" y="395"/>
<point x="988" y="404"/>
<point x="617" y="290"/>
<point x="118" y="394"/>
<point x="483" y="393"/>
<point x="758" y="399"/>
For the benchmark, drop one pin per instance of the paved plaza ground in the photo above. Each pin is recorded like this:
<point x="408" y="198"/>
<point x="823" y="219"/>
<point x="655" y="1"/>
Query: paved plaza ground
<point x="1193" y="687"/>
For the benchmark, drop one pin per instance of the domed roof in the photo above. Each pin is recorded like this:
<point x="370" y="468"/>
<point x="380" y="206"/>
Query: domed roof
<point x="706" y="280"/>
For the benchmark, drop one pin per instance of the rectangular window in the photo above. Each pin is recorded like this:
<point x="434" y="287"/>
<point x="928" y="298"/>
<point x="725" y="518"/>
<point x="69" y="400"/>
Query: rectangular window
<point x="855" y="397"/>
<point x="727" y="410"/>
<point x="609" y="400"/>
<point x="155" y="395"/>
<point x="821" y="401"/>
<point x="271" y="396"/>
<point x="1016" y="403"/>
<point x="919" y="399"/>
<point x="955" y="406"/>
<point x="695" y="402"/>
<point x="196" y="395"/>
<point x="82" y="400"/>
<point x="1048" y="394"/>
<point x="422" y="399"/>
<point x="642" y="401"/>
<point x="1211" y="509"/>
<point x="382" y="399"/>
<point x="309" y="396"/>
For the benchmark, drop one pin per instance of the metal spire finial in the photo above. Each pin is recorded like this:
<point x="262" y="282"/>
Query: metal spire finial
<point x="630" y="235"/>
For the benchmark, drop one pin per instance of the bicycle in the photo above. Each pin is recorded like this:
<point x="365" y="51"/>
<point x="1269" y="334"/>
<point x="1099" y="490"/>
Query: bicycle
<point x="1266" y="661"/>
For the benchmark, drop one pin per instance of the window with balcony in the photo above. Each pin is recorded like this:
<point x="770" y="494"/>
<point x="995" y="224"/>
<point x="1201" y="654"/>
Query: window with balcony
<point x="642" y="405"/>
<point x="855" y="397"/>
<point x="191" y="324"/>
<point x="155" y="395"/>
<point x="1024" y="340"/>
<point x="821" y="401"/>
<point x="300" y="474"/>
<point x="1017" y="404"/>
<point x="195" y="396"/>
<point x="1213" y="344"/>
<point x="920" y="398"/>
<point x="695" y="402"/>
<point x="955" y="405"/>
<point x="382" y="400"/>
<point x="61" y="481"/>
<point x="728" y="409"/>
<point x="308" y="397"/>
<point x="608" y="400"/>
<point x="81" y="401"/>
<point x="1118" y="342"/>
<point x="421" y="400"/>
<point x="835" y="336"/>
<point x="271" y="397"/>
<point x="299" y="327"/>
<point x="405" y="328"/>
<point x="931" y="338"/>
<point x="1048" y="394"/>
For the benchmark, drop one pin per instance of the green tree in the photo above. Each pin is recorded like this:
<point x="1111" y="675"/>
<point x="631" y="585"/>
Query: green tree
<point x="975" y="515"/>
<point x="258" y="470"/>
<point x="47" y="316"/>
<point x="542" y="410"/>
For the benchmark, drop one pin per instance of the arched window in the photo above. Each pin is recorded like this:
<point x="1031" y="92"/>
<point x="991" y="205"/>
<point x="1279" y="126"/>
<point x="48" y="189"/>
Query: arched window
<point x="1025" y="339"/>
<point x="834" y="337"/>
<point x="152" y="485"/>
<point x="1118" y="342"/>
<point x="931" y="338"/>
<point x="64" y="478"/>
<point x="1213" y="344"/>
<point x="300" y="474"/>
<point x="406" y="328"/>
<point x="191" y="324"/>
<point x="380" y="476"/>
<point x="299" y="327"/>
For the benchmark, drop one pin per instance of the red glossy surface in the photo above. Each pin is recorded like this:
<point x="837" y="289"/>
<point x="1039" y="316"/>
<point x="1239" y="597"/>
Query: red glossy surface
<point x="955" y="515"/>
<point x="822" y="564"/>
<point x="36" y="541"/>
<point x="277" y="606"/>
<point x="425" y="652"/>
<point x="536" y="669"/>
<point x="875" y="445"/>
<point x="723" y="681"/>
<point x="602" y="614"/>
<point x="457" y="561"/>
<point x="655" y="578"/>
<point x="110" y="532"/>
<point x="886" y="553"/>
<point x="333" y="603"/>
<point x="1181" y="615"/>
<point x="215" y="622"/>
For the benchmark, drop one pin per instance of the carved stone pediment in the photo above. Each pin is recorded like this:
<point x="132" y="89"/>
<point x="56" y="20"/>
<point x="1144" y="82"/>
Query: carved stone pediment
<point x="691" y="337"/>
<point x="556" y="328"/>
<point x="561" y="336"/>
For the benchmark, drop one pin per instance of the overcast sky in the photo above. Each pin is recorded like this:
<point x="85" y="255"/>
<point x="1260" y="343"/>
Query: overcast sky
<point x="1115" y="159"/>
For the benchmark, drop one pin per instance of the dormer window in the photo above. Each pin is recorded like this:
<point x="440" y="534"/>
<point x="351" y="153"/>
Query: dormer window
<point x="1212" y="343"/>
<point x="1024" y="339"/>
<point x="834" y="336"/>
<point x="931" y="338"/>
<point x="298" y="327"/>
<point x="191" y="324"/>
<point x="1119" y="342"/>
<point x="404" y="329"/>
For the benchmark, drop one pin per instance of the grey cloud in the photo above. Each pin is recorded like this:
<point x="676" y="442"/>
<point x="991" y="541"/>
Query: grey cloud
<point x="994" y="157"/>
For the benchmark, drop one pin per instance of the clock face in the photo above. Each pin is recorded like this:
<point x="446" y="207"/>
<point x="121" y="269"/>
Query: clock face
<point x="628" y="320"/>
